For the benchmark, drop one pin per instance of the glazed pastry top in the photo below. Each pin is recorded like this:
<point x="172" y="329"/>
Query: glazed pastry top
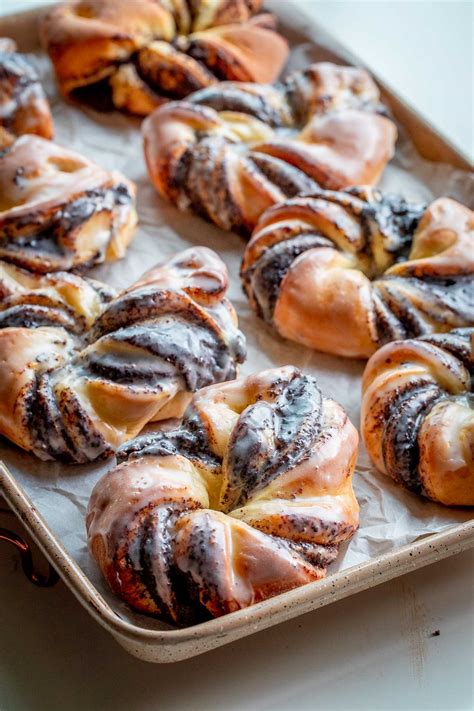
<point x="147" y="351"/>
<point x="251" y="495"/>
<point x="61" y="299"/>
<point x="60" y="210"/>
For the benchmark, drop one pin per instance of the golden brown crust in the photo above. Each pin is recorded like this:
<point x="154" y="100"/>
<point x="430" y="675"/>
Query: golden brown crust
<point x="59" y="299"/>
<point x="24" y="107"/>
<point x="417" y="420"/>
<point x="140" y="357"/>
<point x="232" y="151"/>
<point x="90" y="41"/>
<point x="250" y="496"/>
<point x="59" y="210"/>
<point x="344" y="148"/>
<point x="345" y="272"/>
<point x="250" y="52"/>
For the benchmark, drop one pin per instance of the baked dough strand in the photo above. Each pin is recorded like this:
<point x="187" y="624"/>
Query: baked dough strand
<point x="60" y="299"/>
<point x="24" y="107"/>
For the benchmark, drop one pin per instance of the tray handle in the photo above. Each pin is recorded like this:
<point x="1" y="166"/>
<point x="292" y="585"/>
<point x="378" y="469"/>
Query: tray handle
<point x="42" y="581"/>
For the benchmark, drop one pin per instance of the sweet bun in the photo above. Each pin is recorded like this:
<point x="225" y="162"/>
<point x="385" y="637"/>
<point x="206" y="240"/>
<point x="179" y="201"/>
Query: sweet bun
<point x="60" y="210"/>
<point x="417" y="418"/>
<point x="141" y="356"/>
<point x="345" y="272"/>
<point x="133" y="56"/>
<point x="250" y="496"/>
<point x="231" y="151"/>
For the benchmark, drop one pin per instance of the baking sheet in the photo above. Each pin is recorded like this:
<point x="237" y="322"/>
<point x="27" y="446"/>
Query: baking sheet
<point x="390" y="516"/>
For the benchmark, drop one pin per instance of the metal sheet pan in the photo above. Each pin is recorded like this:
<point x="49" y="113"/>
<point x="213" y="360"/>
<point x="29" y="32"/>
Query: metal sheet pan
<point x="175" y="645"/>
<point x="168" y="645"/>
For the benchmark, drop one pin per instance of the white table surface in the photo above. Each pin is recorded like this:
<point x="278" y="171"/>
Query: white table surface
<point x="374" y="651"/>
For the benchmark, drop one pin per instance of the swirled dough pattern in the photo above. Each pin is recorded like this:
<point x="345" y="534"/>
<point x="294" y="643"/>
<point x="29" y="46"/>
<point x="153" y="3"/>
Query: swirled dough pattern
<point x="231" y="151"/>
<point x="141" y="357"/>
<point x="345" y="272"/>
<point x="418" y="415"/>
<point x="249" y="497"/>
<point x="133" y="56"/>
<point x="59" y="299"/>
<point x="59" y="210"/>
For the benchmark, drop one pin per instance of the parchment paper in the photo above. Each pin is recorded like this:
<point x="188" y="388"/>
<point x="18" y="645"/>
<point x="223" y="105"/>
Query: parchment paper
<point x="390" y="517"/>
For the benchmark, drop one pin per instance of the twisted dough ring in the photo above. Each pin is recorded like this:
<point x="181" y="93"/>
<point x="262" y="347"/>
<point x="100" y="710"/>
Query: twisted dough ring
<point x="233" y="150"/>
<point x="418" y="417"/>
<point x="249" y="497"/>
<point x="24" y="107"/>
<point x="345" y="272"/>
<point x="133" y="56"/>
<point x="166" y="336"/>
<point x="59" y="210"/>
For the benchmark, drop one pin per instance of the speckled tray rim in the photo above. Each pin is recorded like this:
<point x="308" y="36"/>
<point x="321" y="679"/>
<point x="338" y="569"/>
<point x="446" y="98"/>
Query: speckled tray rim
<point x="173" y="645"/>
<point x="176" y="644"/>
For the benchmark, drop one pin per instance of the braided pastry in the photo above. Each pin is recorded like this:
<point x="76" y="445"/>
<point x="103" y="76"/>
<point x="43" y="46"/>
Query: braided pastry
<point x="417" y="415"/>
<point x="249" y="497"/>
<point x="24" y="107"/>
<point x="166" y="336"/>
<point x="133" y="56"/>
<point x="231" y="151"/>
<point x="59" y="210"/>
<point x="345" y="272"/>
